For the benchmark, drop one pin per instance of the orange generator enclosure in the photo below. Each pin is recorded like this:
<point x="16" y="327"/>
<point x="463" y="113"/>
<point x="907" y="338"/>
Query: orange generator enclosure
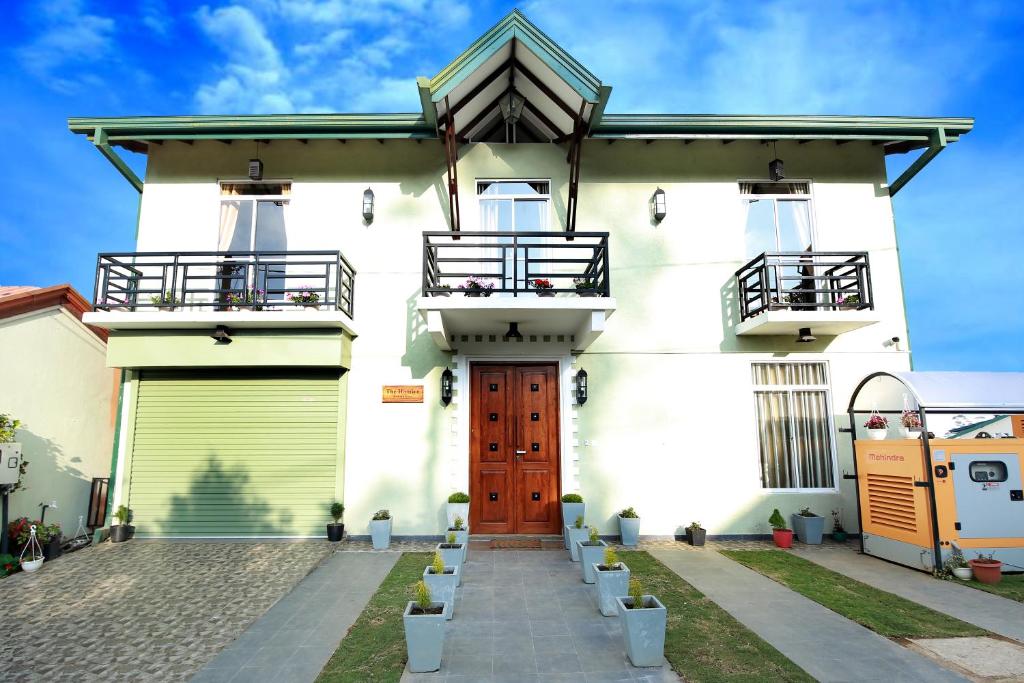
<point x="917" y="497"/>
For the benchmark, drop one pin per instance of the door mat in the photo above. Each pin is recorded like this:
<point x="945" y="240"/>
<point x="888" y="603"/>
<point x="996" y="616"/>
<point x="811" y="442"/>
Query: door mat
<point x="516" y="544"/>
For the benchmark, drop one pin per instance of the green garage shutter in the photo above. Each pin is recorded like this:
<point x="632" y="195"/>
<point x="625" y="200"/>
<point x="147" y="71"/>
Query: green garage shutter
<point x="234" y="454"/>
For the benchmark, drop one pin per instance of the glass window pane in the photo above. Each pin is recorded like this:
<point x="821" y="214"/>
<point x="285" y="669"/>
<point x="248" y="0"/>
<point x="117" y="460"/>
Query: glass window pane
<point x="235" y="226"/>
<point x="794" y="225"/>
<point x="760" y="230"/>
<point x="813" y="442"/>
<point x="773" y="427"/>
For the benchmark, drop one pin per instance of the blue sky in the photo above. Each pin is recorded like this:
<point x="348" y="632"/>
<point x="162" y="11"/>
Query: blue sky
<point x="960" y="228"/>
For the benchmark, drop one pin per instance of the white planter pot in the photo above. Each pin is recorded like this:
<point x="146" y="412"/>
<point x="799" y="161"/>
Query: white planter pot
<point x="909" y="433"/>
<point x="629" y="530"/>
<point x="458" y="510"/>
<point x="463" y="538"/>
<point x="380" y="533"/>
<point x="452" y="556"/>
<point x="611" y="584"/>
<point x="424" y="638"/>
<point x="575" y="535"/>
<point x="963" y="573"/>
<point x="570" y="511"/>
<point x="589" y="556"/>
<point x="442" y="586"/>
<point x="643" y="631"/>
<point x="878" y="434"/>
<point x="29" y="566"/>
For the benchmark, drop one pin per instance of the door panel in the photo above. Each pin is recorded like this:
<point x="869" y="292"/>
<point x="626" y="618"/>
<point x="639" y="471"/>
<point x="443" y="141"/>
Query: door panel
<point x="984" y="507"/>
<point x="514" y="449"/>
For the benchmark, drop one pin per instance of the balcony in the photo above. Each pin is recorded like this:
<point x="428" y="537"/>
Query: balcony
<point x="780" y="292"/>
<point x="476" y="283"/>
<point x="143" y="290"/>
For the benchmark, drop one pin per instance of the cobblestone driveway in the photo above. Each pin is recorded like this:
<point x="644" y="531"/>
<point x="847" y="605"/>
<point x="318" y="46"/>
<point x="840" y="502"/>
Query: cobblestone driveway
<point x="142" y="611"/>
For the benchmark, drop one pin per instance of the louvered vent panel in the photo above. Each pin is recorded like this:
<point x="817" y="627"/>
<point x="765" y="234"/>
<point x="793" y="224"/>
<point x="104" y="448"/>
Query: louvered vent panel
<point x="891" y="501"/>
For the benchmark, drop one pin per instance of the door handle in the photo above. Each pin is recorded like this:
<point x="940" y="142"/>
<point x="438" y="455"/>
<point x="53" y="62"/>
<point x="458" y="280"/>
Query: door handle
<point x="520" y="452"/>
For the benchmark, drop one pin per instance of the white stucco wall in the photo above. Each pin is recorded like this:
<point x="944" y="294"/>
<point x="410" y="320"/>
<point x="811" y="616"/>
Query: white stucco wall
<point x="55" y="381"/>
<point x="669" y="427"/>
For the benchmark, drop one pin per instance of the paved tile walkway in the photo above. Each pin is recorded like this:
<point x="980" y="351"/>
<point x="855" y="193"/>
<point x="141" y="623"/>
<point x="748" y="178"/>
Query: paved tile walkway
<point x="526" y="616"/>
<point x="991" y="612"/>
<point x="824" y="644"/>
<point x="142" y="610"/>
<point x="292" y="642"/>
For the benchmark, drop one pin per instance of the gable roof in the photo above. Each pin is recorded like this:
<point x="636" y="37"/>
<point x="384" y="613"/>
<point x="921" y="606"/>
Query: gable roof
<point x="15" y="300"/>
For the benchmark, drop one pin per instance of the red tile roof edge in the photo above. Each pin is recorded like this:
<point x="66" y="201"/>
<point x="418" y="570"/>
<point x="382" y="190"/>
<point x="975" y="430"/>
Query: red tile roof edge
<point x="58" y="295"/>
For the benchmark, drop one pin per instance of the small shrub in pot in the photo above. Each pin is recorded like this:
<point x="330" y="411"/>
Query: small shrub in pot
<point x="458" y="506"/>
<point x="380" y="529"/>
<point x="336" y="531"/>
<point x="424" y="630"/>
<point x="578" y="531"/>
<point x="590" y="553"/>
<point x="987" y="569"/>
<point x="451" y="552"/>
<point x="612" y="578"/>
<point x="838" y="532"/>
<point x="629" y="527"/>
<point x="643" y="619"/>
<point x="572" y="507"/>
<point x="808" y="527"/>
<point x="458" y="527"/>
<point x="123" y="530"/>
<point x="442" y="579"/>
<point x="781" y="534"/>
<point x="696" y="534"/>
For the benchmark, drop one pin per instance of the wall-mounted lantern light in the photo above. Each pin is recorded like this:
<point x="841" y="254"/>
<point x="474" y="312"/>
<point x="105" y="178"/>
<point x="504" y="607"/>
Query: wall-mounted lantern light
<point x="775" y="170"/>
<point x="659" y="205"/>
<point x="255" y="169"/>
<point x="368" y="205"/>
<point x="581" y="387"/>
<point x="446" y="386"/>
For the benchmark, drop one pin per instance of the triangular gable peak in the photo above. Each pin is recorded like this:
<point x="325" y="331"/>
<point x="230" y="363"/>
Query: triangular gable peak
<point x="514" y="59"/>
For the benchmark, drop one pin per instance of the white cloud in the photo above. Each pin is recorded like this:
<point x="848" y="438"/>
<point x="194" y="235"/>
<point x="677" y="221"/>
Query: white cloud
<point x="70" y="40"/>
<point x="155" y="17"/>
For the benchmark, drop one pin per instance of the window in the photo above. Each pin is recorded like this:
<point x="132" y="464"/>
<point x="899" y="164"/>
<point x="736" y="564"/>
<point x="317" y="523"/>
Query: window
<point x="252" y="218"/>
<point x="778" y="217"/>
<point x="794" y="426"/>
<point x="515" y="206"/>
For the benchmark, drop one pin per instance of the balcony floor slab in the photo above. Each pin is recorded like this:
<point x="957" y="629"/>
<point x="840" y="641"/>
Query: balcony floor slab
<point x="822" y="323"/>
<point x="187" y="320"/>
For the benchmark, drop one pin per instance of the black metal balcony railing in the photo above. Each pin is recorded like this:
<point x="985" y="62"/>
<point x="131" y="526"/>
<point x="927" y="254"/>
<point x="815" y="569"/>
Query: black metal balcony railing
<point x="510" y="262"/>
<point x="219" y="280"/>
<point x="805" y="281"/>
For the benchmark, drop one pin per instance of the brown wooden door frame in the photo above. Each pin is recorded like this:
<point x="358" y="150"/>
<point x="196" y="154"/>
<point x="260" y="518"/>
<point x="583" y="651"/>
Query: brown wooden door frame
<point x="515" y="447"/>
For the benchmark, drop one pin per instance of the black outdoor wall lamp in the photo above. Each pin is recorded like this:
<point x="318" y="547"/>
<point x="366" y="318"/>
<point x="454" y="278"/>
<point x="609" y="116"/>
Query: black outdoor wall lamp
<point x="446" y="386"/>
<point x="581" y="387"/>
<point x="775" y="170"/>
<point x="658" y="205"/>
<point x="221" y="335"/>
<point x="513" y="332"/>
<point x="804" y="336"/>
<point x="368" y="205"/>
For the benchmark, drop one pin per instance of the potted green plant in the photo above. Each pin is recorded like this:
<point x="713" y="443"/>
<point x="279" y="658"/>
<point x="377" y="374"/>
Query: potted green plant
<point x="165" y="302"/>
<point x="696" y="534"/>
<point x="458" y="528"/>
<point x="442" y="579"/>
<point x="542" y="287"/>
<point x="781" y="534"/>
<point x="578" y="531"/>
<point x="248" y="301"/>
<point x="838" y="532"/>
<point x="612" y="578"/>
<point x="629" y="526"/>
<point x="572" y="507"/>
<point x="590" y="552"/>
<point x="452" y="553"/>
<point x="877" y="426"/>
<point x="849" y="302"/>
<point x="337" y="530"/>
<point x="122" y="531"/>
<point x="306" y="298"/>
<point x="808" y="527"/>
<point x="956" y="564"/>
<point x="987" y="569"/>
<point x="445" y="290"/>
<point x="380" y="529"/>
<point x="910" y="424"/>
<point x="643" y="620"/>
<point x="458" y="506"/>
<point x="8" y="564"/>
<point x="586" y="287"/>
<point x="423" y="620"/>
<point x="476" y="286"/>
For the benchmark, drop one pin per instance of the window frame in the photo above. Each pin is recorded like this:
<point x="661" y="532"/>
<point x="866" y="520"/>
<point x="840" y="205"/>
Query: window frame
<point x="282" y="200"/>
<point x="789" y="390"/>
<point x="808" y="197"/>
<point x="480" y="198"/>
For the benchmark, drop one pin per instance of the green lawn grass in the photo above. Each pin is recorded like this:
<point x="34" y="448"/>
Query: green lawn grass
<point x="703" y="642"/>
<point x="374" y="649"/>
<point x="1012" y="586"/>
<point x="884" y="613"/>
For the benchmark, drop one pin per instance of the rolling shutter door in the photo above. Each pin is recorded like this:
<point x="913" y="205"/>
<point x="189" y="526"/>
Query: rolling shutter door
<point x="234" y="454"/>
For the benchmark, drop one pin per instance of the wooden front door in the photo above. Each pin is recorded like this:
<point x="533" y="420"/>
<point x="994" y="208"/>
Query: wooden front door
<point x="514" y="449"/>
